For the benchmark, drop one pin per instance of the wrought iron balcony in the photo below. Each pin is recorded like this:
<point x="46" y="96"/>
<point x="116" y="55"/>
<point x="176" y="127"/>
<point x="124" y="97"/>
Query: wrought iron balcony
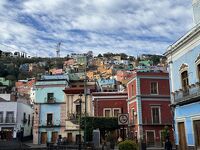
<point x="51" y="100"/>
<point x="49" y="124"/>
<point x="74" y="117"/>
<point x="188" y="95"/>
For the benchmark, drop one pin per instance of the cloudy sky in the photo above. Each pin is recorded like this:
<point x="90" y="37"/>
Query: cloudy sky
<point x="130" y="26"/>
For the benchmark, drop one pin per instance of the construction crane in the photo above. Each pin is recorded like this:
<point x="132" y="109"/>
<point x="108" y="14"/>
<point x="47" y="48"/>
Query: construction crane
<point x="58" y="49"/>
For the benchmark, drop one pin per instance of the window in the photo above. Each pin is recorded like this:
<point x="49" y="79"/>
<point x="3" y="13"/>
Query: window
<point x="1" y="117"/>
<point x="49" y="119"/>
<point x="155" y="114"/>
<point x="184" y="78"/>
<point x="24" y="118"/>
<point x="133" y="115"/>
<point x="116" y="111"/>
<point x="154" y="88"/>
<point x="132" y="91"/>
<point x="29" y="119"/>
<point x="107" y="112"/>
<point x="198" y="71"/>
<point x="50" y="96"/>
<point x="78" y="109"/>
<point x="10" y="117"/>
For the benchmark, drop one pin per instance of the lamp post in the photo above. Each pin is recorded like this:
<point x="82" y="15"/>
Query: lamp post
<point x="85" y="94"/>
<point x="80" y="103"/>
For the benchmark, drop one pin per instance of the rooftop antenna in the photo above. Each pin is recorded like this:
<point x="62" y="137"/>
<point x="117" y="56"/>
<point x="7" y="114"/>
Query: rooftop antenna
<point x="58" y="49"/>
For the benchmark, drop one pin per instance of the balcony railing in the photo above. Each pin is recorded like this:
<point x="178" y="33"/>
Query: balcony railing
<point x="45" y="123"/>
<point x="7" y="120"/>
<point x="50" y="100"/>
<point x="74" y="117"/>
<point x="193" y="91"/>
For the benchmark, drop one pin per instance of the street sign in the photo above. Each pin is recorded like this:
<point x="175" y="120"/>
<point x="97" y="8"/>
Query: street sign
<point x="122" y="119"/>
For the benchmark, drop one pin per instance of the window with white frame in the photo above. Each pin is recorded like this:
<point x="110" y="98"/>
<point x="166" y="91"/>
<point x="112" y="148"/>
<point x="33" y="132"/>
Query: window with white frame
<point x="116" y="111"/>
<point x="155" y="114"/>
<point x="1" y="117"/>
<point x="133" y="115"/>
<point x="154" y="87"/>
<point x="184" y="79"/>
<point x="107" y="112"/>
<point x="198" y="71"/>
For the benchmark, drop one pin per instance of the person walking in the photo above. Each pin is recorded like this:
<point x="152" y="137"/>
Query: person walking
<point x="168" y="144"/>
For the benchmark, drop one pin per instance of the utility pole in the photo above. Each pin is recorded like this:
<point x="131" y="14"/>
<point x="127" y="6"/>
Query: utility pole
<point x="85" y="93"/>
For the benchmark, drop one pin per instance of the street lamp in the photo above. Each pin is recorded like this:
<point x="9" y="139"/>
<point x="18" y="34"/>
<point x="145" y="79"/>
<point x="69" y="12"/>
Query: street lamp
<point x="80" y="103"/>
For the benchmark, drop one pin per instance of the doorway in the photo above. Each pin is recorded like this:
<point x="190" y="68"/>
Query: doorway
<point x="182" y="136"/>
<point x="43" y="137"/>
<point x="150" y="138"/>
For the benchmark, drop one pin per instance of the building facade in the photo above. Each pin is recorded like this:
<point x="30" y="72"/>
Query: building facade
<point x="49" y="107"/>
<point x="148" y="107"/>
<point x="183" y="58"/>
<point x="14" y="117"/>
<point x="75" y="107"/>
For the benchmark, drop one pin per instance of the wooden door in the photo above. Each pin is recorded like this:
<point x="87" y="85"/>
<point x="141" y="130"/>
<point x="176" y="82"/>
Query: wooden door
<point x="182" y="136"/>
<point x="150" y="138"/>
<point x="69" y="137"/>
<point x="78" y="139"/>
<point x="54" y="137"/>
<point x="43" y="137"/>
<point x="196" y="125"/>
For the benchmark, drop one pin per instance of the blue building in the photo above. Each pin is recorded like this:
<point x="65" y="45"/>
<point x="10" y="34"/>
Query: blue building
<point x="184" y="63"/>
<point x="49" y="107"/>
<point x="106" y="85"/>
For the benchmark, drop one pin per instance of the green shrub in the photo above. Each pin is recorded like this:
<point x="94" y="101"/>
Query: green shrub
<point x="127" y="145"/>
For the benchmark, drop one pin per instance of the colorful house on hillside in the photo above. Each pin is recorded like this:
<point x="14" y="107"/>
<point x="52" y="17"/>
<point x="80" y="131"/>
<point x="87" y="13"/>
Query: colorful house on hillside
<point x="5" y="82"/>
<point x="149" y="107"/>
<point x="23" y="87"/>
<point x="49" y="108"/>
<point x="107" y="85"/>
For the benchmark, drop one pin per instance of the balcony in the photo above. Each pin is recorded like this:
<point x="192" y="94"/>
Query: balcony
<point x="74" y="117"/>
<point x="187" y="96"/>
<point x="51" y="100"/>
<point x="8" y="120"/>
<point x="48" y="124"/>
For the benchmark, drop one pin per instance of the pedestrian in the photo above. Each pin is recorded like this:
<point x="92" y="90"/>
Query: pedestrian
<point x="59" y="140"/>
<point x="18" y="135"/>
<point x="168" y="144"/>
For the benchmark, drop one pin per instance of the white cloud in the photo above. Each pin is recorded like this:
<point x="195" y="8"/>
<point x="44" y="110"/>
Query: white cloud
<point x="127" y="26"/>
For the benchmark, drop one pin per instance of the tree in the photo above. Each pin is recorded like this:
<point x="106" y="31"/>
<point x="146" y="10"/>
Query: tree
<point x="123" y="56"/>
<point x="99" y="55"/>
<point x="11" y="77"/>
<point x="101" y="123"/>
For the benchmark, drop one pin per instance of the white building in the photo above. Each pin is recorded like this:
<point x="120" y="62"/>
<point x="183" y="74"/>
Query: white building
<point x="15" y="116"/>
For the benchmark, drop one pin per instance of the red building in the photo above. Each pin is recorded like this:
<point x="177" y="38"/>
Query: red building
<point x="109" y="104"/>
<point x="149" y="106"/>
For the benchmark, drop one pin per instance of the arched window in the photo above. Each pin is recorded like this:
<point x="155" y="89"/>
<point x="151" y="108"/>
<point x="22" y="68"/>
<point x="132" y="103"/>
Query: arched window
<point x="184" y="79"/>
<point x="198" y="71"/>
